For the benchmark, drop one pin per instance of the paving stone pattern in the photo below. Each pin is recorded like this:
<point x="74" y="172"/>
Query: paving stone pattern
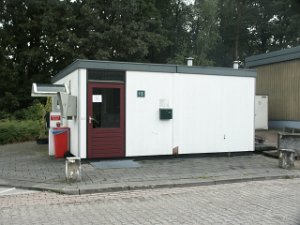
<point x="28" y="165"/>
<point x="29" y="162"/>
<point x="259" y="202"/>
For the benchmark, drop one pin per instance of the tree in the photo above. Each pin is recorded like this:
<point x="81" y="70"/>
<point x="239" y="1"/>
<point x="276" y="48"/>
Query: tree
<point x="250" y="27"/>
<point x="175" y="16"/>
<point x="234" y="18"/>
<point x="285" y="24"/>
<point x="118" y="30"/>
<point x="204" y="31"/>
<point x="31" y="40"/>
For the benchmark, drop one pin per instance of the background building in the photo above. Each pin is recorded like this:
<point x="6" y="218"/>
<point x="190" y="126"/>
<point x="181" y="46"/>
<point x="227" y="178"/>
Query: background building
<point x="278" y="77"/>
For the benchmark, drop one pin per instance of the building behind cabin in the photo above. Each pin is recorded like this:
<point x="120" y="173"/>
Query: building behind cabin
<point x="278" y="77"/>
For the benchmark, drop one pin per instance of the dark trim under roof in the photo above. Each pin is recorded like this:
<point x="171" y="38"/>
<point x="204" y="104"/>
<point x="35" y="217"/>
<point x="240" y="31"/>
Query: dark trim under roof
<point x="167" y="68"/>
<point x="273" y="57"/>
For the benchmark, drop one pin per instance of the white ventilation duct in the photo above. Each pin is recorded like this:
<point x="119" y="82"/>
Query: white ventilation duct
<point x="236" y="64"/>
<point x="190" y="61"/>
<point x="47" y="90"/>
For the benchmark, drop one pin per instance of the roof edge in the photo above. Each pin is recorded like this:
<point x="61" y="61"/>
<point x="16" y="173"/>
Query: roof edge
<point x="273" y="57"/>
<point x="218" y="71"/>
<point x="167" y="68"/>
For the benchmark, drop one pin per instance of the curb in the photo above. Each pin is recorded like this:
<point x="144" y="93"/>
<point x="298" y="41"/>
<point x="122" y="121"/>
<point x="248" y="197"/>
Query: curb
<point x="90" y="189"/>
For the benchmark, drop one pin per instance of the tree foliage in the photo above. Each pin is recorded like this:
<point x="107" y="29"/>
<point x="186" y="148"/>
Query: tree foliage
<point x="38" y="38"/>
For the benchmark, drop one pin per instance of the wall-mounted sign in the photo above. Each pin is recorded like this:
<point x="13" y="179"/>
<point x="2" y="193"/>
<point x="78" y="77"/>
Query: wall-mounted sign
<point x="141" y="94"/>
<point x="55" y="117"/>
<point x="97" y="98"/>
<point x="164" y="103"/>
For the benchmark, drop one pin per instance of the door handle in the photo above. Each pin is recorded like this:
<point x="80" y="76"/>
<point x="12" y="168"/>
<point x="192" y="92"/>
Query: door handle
<point x="91" y="119"/>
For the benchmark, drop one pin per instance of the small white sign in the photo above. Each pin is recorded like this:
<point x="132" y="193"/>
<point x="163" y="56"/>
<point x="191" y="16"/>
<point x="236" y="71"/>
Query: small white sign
<point x="97" y="98"/>
<point x="163" y="103"/>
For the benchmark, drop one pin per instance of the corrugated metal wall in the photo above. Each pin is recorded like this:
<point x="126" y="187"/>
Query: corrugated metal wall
<point x="281" y="82"/>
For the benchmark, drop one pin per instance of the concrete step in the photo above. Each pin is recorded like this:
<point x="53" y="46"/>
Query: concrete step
<point x="259" y="147"/>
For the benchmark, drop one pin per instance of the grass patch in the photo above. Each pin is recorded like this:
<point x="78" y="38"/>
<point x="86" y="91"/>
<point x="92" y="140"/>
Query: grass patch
<point x="12" y="131"/>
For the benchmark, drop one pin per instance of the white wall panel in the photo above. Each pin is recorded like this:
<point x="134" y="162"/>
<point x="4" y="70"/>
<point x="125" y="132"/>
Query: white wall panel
<point x="76" y="82"/>
<point x="213" y="113"/>
<point x="196" y="115"/>
<point x="238" y="113"/>
<point x="210" y="114"/>
<point x="145" y="133"/>
<point x="82" y="117"/>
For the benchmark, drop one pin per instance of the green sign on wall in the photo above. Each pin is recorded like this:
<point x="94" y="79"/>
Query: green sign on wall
<point x="140" y="94"/>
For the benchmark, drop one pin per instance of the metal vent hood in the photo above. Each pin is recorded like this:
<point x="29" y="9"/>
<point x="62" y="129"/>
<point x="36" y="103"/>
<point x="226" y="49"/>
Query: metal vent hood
<point x="47" y="90"/>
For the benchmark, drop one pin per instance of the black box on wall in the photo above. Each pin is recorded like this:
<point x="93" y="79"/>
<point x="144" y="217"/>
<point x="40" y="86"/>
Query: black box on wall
<point x="165" y="114"/>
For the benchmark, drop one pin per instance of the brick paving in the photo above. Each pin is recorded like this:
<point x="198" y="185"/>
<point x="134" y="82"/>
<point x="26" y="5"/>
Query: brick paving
<point x="257" y="202"/>
<point x="28" y="165"/>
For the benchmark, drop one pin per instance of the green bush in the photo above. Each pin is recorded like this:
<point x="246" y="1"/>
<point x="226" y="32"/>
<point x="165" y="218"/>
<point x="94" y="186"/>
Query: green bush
<point x="34" y="112"/>
<point x="12" y="131"/>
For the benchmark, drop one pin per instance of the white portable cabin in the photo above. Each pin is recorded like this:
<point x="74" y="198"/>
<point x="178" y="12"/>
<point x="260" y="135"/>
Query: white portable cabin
<point x="136" y="109"/>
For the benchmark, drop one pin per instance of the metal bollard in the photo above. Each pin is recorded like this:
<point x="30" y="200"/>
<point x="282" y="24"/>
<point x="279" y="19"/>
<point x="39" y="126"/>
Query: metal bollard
<point x="286" y="158"/>
<point x="73" y="169"/>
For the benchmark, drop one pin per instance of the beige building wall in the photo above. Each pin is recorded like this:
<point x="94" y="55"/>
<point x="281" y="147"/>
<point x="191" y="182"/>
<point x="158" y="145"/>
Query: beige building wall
<point x="281" y="82"/>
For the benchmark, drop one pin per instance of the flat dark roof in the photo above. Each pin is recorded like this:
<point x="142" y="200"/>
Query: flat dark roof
<point x="273" y="57"/>
<point x="147" y="67"/>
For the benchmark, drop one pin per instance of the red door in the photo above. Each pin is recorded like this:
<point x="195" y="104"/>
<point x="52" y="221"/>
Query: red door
<point x="106" y="120"/>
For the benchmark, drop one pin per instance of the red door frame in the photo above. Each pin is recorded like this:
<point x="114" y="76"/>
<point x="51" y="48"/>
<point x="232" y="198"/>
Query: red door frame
<point x="114" y="138"/>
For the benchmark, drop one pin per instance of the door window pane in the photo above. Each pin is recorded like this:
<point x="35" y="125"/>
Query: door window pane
<point x="106" y="107"/>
